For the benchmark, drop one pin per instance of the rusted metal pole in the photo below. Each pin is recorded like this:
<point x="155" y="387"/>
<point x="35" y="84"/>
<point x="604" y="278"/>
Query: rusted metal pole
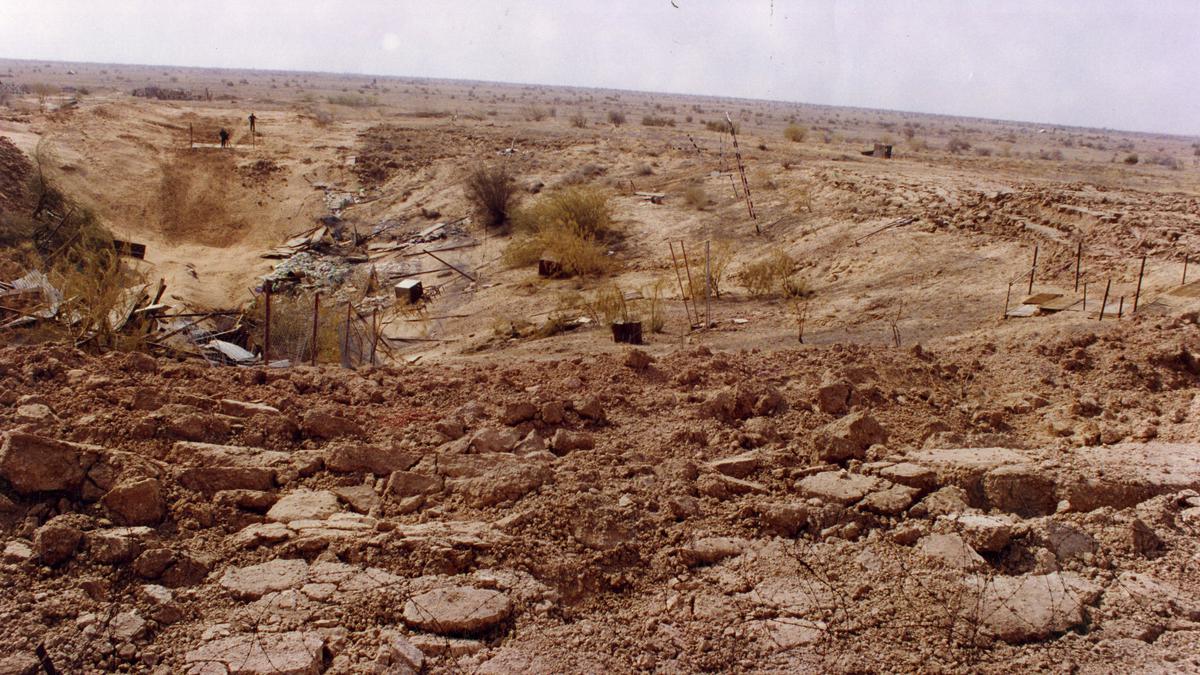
<point x="742" y="170"/>
<point x="1079" y="260"/>
<point x="316" y="310"/>
<point x="1007" y="296"/>
<point x="1138" y="293"/>
<point x="1085" y="296"/>
<point x="679" y="278"/>
<point x="1104" y="302"/>
<point x="267" y="328"/>
<point x="1033" y="268"/>
<point x="1120" y="307"/>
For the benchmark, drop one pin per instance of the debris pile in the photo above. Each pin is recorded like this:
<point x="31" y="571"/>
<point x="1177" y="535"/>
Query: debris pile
<point x="829" y="509"/>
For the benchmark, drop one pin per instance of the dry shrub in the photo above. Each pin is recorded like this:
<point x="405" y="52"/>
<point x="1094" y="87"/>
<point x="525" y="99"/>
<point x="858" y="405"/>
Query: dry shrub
<point x="983" y="151"/>
<point x="795" y="133"/>
<point x="720" y="254"/>
<point x="534" y="113"/>
<point x="492" y="191"/>
<point x="1131" y="159"/>
<point x="695" y="196"/>
<point x="764" y="180"/>
<point x="607" y="305"/>
<point x="722" y="126"/>
<point x="579" y="121"/>
<point x="644" y="169"/>
<point x="616" y="117"/>
<point x="583" y="174"/>
<point x="772" y="275"/>
<point x="571" y="226"/>
<point x="956" y="145"/>
<point x="652" y="121"/>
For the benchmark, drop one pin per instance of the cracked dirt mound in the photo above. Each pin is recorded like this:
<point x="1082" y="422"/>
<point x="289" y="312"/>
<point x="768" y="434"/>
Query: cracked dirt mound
<point x="825" y="510"/>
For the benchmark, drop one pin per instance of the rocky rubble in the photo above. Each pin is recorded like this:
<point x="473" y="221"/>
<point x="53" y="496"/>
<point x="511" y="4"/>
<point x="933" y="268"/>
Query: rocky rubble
<point x="786" y="513"/>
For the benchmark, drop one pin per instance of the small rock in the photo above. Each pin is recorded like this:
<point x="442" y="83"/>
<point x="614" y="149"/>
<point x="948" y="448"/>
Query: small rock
<point x="362" y="458"/>
<point x="833" y="398"/>
<point x="891" y="501"/>
<point x="243" y="409"/>
<point x="16" y="552"/>
<point x="565" y="441"/>
<point x="638" y="359"/>
<point x="56" y="541"/>
<point x="516" y="413"/>
<point x="553" y="412"/>
<point x="592" y="409"/>
<point x="138" y="502"/>
<point x="34" y="464"/>
<point x="494" y="440"/>
<point x="33" y="413"/>
<point x="738" y="466"/>
<point x="360" y="498"/>
<point x="711" y="550"/>
<point x="259" y="653"/>
<point x="848" y="438"/>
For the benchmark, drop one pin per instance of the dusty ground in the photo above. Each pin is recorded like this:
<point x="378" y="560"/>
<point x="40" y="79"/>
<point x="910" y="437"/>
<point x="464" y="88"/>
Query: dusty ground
<point x="921" y="486"/>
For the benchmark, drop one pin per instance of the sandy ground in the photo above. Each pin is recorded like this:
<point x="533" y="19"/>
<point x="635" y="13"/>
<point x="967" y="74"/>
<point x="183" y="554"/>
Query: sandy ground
<point x="920" y="485"/>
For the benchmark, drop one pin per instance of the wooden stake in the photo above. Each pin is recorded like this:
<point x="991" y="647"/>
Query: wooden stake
<point x="1138" y="293"/>
<point x="346" y="340"/>
<point x="191" y="138"/>
<point x="267" y="329"/>
<point x="1033" y="269"/>
<point x="431" y="255"/>
<point x="688" y="267"/>
<point x="1007" y="296"/>
<point x="1085" y="296"/>
<point x="1120" y="307"/>
<point x="1079" y="260"/>
<point x="374" y="333"/>
<point x="1185" y="262"/>
<point x="316" y="310"/>
<point x="679" y="278"/>
<point x="1104" y="302"/>
<point x="707" y="288"/>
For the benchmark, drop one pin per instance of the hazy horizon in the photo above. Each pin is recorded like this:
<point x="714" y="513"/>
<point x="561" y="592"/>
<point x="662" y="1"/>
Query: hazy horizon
<point x="1085" y="64"/>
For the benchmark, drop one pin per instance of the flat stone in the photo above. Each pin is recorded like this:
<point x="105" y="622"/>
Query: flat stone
<point x="212" y="479"/>
<point x="837" y="487"/>
<point x="1146" y="590"/>
<point x="361" y="498"/>
<point x="304" y="505"/>
<point x="891" y="501"/>
<point x="738" y="466"/>
<point x="290" y="653"/>
<point x="913" y="475"/>
<point x="255" y="581"/>
<point x="259" y="534"/>
<point x="1031" y="608"/>
<point x="245" y="409"/>
<point x="982" y="532"/>
<point x="16" y="551"/>
<point x="372" y="459"/>
<point x="951" y="551"/>
<point x="457" y="610"/>
<point x="709" y="550"/>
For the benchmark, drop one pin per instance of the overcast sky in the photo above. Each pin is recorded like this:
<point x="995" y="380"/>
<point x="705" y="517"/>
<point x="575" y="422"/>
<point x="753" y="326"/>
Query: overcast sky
<point x="1123" y="64"/>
